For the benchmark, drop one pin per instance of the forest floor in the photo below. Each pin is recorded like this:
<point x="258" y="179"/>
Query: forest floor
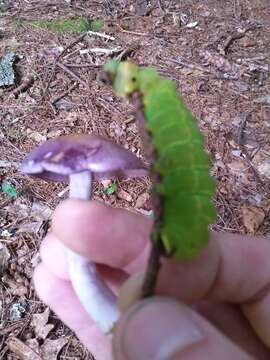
<point x="216" y="52"/>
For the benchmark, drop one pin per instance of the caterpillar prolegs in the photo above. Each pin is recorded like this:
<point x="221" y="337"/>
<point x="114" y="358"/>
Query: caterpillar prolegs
<point x="181" y="161"/>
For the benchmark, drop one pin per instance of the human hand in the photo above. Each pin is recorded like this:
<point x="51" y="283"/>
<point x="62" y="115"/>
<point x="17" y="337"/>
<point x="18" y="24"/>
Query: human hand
<point x="226" y="288"/>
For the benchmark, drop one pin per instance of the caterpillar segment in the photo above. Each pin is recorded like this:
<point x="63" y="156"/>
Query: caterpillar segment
<point x="185" y="184"/>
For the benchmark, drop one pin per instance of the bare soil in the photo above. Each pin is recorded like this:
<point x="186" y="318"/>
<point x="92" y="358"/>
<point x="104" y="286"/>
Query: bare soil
<point x="217" y="52"/>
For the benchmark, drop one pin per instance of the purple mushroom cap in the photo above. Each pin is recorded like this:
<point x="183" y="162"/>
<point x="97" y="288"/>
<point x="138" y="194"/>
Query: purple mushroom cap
<point x="58" y="158"/>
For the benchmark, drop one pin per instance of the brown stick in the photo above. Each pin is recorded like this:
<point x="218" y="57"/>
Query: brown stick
<point x="71" y="44"/>
<point x="153" y="266"/>
<point x="240" y="141"/>
<point x="157" y="249"/>
<point x="83" y="65"/>
<point x="236" y="36"/>
<point x="63" y="94"/>
<point x="71" y="73"/>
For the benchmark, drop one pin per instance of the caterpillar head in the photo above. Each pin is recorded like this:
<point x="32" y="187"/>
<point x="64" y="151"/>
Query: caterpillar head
<point x="124" y="76"/>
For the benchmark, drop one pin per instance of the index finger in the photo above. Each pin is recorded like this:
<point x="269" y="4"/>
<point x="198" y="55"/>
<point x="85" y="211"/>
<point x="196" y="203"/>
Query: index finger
<point x="106" y="235"/>
<point x="232" y="268"/>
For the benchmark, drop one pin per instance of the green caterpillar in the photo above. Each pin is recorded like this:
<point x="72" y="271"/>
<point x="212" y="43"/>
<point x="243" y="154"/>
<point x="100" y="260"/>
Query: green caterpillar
<point x="183" y="166"/>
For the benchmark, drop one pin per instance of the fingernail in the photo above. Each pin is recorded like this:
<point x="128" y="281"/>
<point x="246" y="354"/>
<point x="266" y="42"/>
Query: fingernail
<point x="158" y="329"/>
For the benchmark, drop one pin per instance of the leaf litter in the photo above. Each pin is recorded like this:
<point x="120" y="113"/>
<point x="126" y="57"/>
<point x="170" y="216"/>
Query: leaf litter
<point x="217" y="84"/>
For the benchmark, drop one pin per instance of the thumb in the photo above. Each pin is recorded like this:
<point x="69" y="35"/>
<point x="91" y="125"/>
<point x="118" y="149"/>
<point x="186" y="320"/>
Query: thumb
<point x="161" y="328"/>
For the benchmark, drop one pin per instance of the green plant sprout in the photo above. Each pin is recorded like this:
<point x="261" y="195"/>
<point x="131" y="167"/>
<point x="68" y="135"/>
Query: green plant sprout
<point x="67" y="26"/>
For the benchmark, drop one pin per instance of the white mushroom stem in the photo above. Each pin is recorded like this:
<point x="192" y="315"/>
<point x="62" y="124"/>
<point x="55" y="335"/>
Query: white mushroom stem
<point x="94" y="294"/>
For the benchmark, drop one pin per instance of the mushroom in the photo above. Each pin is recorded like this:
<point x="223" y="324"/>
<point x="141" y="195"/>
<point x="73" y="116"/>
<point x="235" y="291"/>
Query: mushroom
<point x="79" y="159"/>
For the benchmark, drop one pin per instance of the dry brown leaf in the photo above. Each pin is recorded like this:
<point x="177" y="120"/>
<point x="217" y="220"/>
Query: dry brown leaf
<point x="33" y="344"/>
<point x="264" y="168"/>
<point x="51" y="348"/>
<point x="36" y="136"/>
<point x="124" y="195"/>
<point x="14" y="287"/>
<point x="261" y="162"/>
<point x="141" y="200"/>
<point x="31" y="227"/>
<point x="41" y="211"/>
<point x="18" y="209"/>
<point x="252" y="217"/>
<point x="237" y="167"/>
<point x="39" y="323"/>
<point x="22" y="350"/>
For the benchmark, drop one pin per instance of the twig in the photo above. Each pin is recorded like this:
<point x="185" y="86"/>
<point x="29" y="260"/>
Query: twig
<point x="102" y="50"/>
<point x="160" y="6"/>
<point x="83" y="65"/>
<point x="126" y="52"/>
<point x="5" y="138"/>
<point x="214" y="75"/>
<point x="157" y="249"/>
<point x="71" y="73"/>
<point x="246" y="156"/>
<point x="240" y="133"/>
<point x="9" y="328"/>
<point x="230" y="39"/>
<point x="153" y="266"/>
<point x="102" y="35"/>
<point x="189" y="65"/>
<point x="131" y="32"/>
<point x="63" y="94"/>
<point x="239" y="34"/>
<point x="71" y="44"/>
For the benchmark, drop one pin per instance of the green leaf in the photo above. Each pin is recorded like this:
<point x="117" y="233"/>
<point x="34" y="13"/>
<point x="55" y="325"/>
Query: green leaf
<point x="111" y="189"/>
<point x="9" y="190"/>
